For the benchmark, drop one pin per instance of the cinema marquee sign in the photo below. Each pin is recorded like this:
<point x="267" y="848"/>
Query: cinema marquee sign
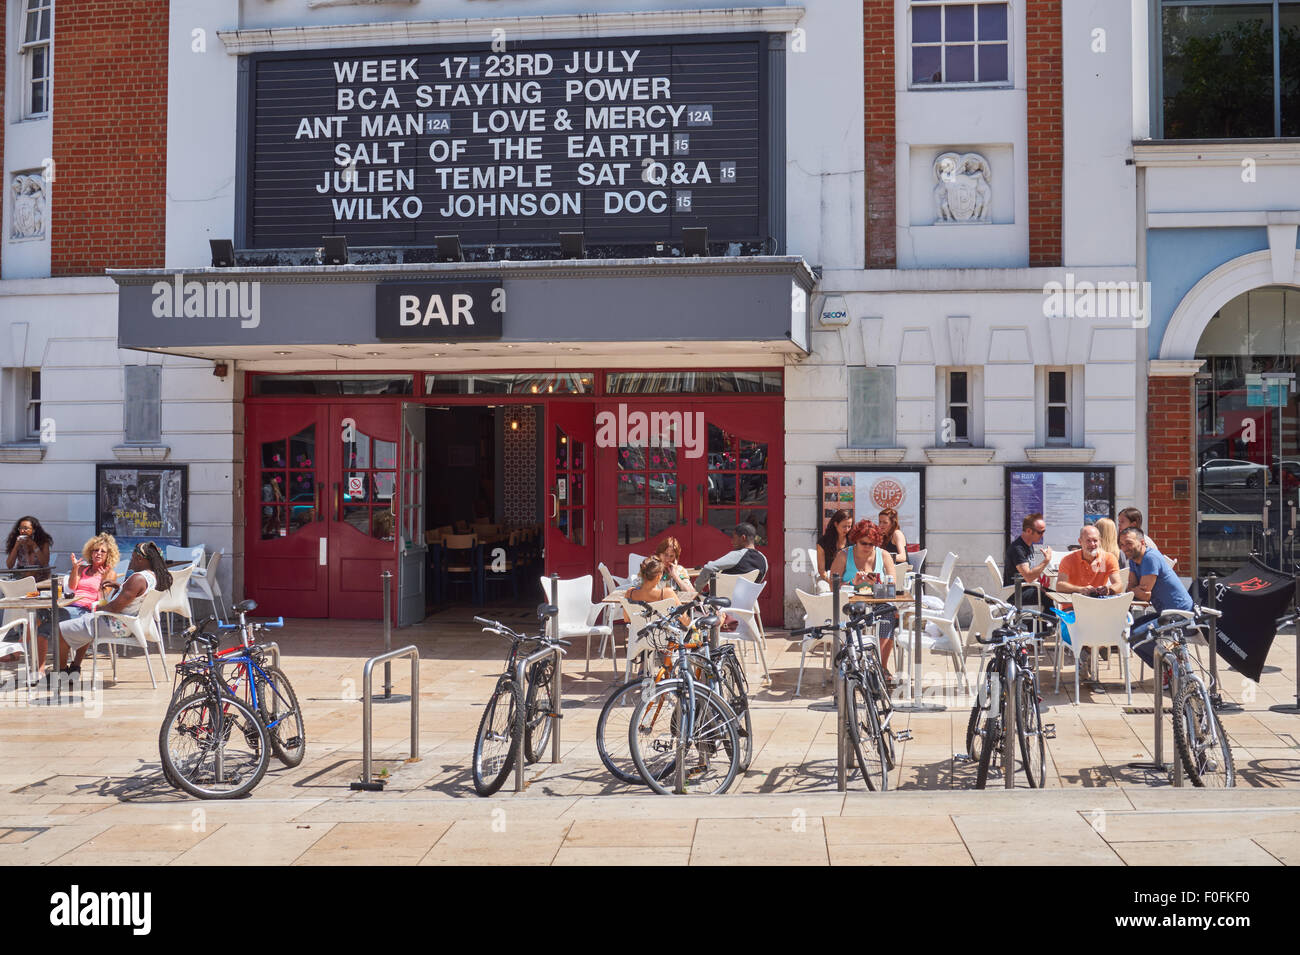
<point x="626" y="140"/>
<point x="439" y="311"/>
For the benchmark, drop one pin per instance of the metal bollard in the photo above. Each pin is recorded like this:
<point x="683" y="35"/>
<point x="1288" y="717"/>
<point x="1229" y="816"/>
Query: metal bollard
<point x="387" y="578"/>
<point x="1009" y="742"/>
<point x="1158" y="667"/>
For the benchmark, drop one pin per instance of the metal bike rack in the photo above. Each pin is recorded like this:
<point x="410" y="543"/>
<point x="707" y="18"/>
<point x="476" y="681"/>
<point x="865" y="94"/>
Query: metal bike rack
<point x="557" y="692"/>
<point x="366" y="782"/>
<point x="274" y="650"/>
<point x="915" y="703"/>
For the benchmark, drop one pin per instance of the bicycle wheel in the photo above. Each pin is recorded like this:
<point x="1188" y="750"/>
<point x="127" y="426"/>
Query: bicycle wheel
<point x="277" y="704"/>
<point x="537" y="724"/>
<point x="612" y="731"/>
<point x="1029" y="731"/>
<point x="1200" y="741"/>
<point x="974" y="738"/>
<point x="213" y="749"/>
<point x="494" y="745"/>
<point x="868" y="745"/>
<point x="709" y="746"/>
<point x="879" y="693"/>
<point x="991" y="747"/>
<point x="731" y="686"/>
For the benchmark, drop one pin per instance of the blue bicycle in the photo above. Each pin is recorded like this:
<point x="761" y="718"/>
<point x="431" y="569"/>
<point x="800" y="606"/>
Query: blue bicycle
<point x="245" y="675"/>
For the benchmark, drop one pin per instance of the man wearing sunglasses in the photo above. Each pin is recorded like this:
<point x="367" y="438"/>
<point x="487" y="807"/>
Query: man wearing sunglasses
<point x="1020" y="555"/>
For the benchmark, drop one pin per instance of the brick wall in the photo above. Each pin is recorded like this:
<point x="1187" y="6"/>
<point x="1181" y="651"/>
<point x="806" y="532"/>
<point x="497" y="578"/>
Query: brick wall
<point x="1171" y="437"/>
<point x="879" y="100"/>
<point x="110" y="137"/>
<point x="1045" y="99"/>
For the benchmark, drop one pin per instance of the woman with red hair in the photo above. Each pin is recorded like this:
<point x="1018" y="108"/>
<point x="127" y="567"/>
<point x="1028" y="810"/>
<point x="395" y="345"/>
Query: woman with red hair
<point x="866" y="561"/>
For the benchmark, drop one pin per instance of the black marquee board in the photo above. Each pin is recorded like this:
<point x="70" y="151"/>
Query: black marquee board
<point x="313" y="167"/>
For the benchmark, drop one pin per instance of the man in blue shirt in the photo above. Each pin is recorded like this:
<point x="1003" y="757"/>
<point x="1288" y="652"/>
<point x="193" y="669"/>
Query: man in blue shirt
<point x="1150" y="578"/>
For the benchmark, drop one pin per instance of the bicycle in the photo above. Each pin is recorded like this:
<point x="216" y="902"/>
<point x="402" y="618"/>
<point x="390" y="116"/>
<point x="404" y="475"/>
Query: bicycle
<point x="244" y="673"/>
<point x="494" y="744"/>
<point x="682" y="732"/>
<point x="211" y="744"/>
<point x="1010" y="679"/>
<point x="718" y="667"/>
<point x="868" y="711"/>
<point x="1199" y="738"/>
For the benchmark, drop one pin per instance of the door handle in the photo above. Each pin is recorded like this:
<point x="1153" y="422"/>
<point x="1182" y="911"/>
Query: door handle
<point x="681" y="504"/>
<point x="338" y="509"/>
<point x="315" y="502"/>
<point x="555" y="504"/>
<point x="699" y="489"/>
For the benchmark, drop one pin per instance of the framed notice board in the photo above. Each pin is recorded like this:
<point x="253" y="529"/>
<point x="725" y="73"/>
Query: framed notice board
<point x="865" y="492"/>
<point x="1067" y="497"/>
<point x="137" y="504"/>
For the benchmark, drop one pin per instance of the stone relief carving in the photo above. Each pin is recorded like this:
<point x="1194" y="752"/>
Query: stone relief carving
<point x="963" y="193"/>
<point x="29" y="206"/>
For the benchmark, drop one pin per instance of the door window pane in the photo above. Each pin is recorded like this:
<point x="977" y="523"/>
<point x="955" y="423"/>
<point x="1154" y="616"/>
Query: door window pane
<point x="631" y="525"/>
<point x="661" y="518"/>
<point x="631" y="489"/>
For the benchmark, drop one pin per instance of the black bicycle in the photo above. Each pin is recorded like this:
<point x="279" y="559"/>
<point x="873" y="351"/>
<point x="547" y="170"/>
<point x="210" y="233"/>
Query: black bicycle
<point x="211" y="744"/>
<point x="868" y="712"/>
<point x="494" y="745"/>
<point x="1009" y="681"/>
<point x="719" y="668"/>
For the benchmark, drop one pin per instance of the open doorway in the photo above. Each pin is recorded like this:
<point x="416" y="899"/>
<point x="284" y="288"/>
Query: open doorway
<point x="483" y="515"/>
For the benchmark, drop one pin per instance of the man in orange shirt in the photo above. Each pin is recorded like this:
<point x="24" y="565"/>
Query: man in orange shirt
<point x="1090" y="570"/>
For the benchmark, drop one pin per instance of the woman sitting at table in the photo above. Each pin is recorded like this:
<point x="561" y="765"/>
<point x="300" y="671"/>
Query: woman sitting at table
<point x="892" y="535"/>
<point x="89" y="582"/>
<point x="832" y="541"/>
<point x="669" y="554"/>
<point x="29" y="546"/>
<point x="863" y="563"/>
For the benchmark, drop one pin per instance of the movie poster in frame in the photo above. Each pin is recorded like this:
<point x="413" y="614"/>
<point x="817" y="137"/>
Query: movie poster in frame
<point x="147" y="503"/>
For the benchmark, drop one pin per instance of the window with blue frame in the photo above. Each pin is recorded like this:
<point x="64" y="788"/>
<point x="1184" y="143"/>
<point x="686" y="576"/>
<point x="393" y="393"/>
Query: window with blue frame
<point x="1229" y="70"/>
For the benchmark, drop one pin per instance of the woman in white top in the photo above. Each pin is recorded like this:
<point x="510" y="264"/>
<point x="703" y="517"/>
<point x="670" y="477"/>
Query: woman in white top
<point x="148" y="570"/>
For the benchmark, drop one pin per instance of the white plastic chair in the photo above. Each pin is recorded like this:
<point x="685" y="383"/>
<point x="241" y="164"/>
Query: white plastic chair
<point x="917" y="560"/>
<point x="1098" y="622"/>
<point x="176" y="599"/>
<point x="981" y="621"/>
<point x="941" y="584"/>
<point x="205" y="586"/>
<point x="995" y="574"/>
<point x="578" y="614"/>
<point x="141" y="628"/>
<point x="744" y="607"/>
<point x="194" y="555"/>
<point x="817" y="610"/>
<point x="613" y="613"/>
<point x="634" y="566"/>
<point x="818" y="585"/>
<point x="939" y="634"/>
<point x="636" y="623"/>
<point x="16" y="620"/>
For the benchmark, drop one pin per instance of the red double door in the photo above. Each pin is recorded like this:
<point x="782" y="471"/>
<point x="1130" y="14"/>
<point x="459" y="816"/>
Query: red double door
<point x="625" y="475"/>
<point x="320" y="506"/>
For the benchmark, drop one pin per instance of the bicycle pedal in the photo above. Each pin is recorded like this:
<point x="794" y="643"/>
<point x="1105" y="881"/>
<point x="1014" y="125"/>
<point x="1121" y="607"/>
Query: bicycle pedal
<point x="1049" y="731"/>
<point x="902" y="735"/>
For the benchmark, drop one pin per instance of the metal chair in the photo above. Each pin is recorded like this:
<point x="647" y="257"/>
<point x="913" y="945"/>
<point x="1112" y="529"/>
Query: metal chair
<point x="462" y="557"/>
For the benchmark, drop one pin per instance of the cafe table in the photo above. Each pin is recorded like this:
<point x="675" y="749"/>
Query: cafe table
<point x="31" y="606"/>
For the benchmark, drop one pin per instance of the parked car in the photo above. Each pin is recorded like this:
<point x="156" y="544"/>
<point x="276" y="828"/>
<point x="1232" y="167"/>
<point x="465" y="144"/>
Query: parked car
<point x="1222" y="472"/>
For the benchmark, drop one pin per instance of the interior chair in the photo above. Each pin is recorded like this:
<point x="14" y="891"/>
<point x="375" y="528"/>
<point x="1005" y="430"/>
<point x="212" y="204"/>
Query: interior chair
<point x="744" y="608"/>
<point x="462" y="562"/>
<point x="1098" y="622"/>
<point x="503" y="569"/>
<point x="940" y="633"/>
<point x="204" y="584"/>
<point x="578" y="615"/>
<point x="817" y="610"/>
<point x="141" y="630"/>
<point x="637" y="642"/>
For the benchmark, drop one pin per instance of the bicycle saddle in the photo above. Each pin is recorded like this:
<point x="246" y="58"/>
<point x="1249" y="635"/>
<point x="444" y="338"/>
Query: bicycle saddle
<point x="246" y="606"/>
<point x="718" y="601"/>
<point x="707" y="623"/>
<point x="546" y="610"/>
<point x="1171" y="613"/>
